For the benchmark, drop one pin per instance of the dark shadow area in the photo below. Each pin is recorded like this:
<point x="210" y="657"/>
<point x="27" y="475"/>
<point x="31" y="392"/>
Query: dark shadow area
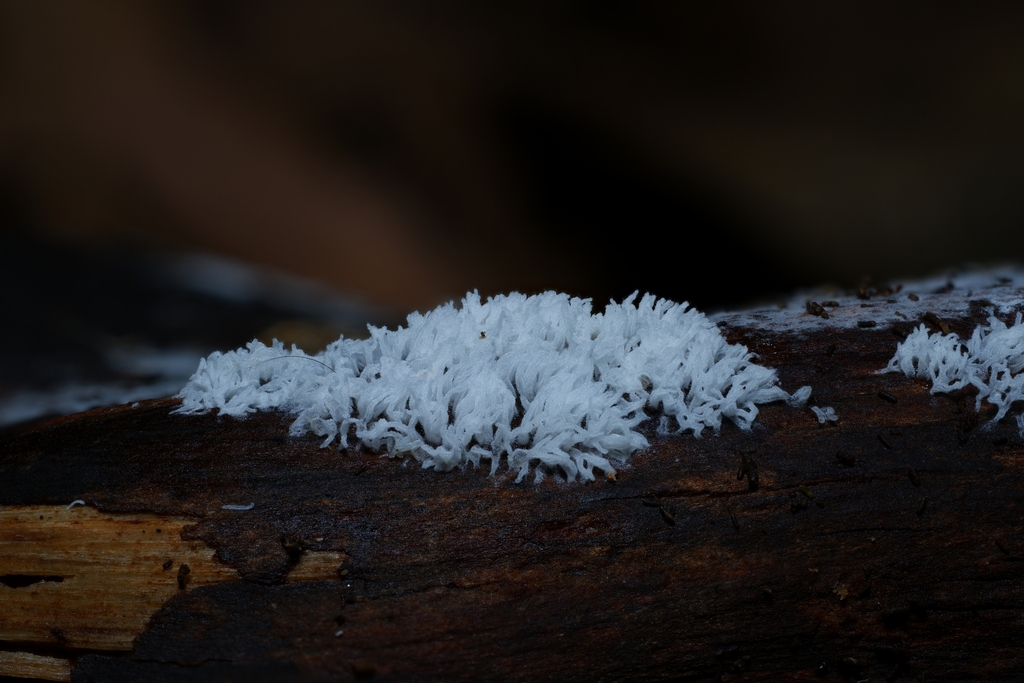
<point x="634" y="229"/>
<point x="25" y="580"/>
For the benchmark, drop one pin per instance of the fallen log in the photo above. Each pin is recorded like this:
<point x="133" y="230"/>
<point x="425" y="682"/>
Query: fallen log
<point x="882" y="545"/>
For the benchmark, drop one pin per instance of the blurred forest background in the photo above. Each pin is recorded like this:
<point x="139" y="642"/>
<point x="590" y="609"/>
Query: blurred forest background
<point x="411" y="151"/>
<point x="403" y="153"/>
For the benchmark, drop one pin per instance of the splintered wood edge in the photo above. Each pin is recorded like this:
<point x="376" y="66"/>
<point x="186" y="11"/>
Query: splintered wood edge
<point x="28" y="665"/>
<point x="76" y="579"/>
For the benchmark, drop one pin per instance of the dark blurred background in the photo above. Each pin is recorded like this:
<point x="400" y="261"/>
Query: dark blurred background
<point x="403" y="153"/>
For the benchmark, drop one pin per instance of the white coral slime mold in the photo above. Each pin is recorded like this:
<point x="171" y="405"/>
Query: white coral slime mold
<point x="991" y="361"/>
<point x="533" y="380"/>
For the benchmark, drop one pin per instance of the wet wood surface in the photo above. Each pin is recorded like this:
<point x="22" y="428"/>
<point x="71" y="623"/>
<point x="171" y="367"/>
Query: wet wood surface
<point x="884" y="546"/>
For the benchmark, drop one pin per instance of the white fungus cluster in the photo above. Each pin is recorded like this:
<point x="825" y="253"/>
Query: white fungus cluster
<point x="992" y="361"/>
<point x="534" y="380"/>
<point x="827" y="414"/>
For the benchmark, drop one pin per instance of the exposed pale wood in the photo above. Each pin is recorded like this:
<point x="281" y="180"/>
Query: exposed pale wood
<point x="317" y="566"/>
<point x="97" y="578"/>
<point x="27" y="665"/>
<point x="84" y="580"/>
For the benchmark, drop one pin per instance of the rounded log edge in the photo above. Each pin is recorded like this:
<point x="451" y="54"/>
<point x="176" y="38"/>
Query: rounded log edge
<point x="883" y="546"/>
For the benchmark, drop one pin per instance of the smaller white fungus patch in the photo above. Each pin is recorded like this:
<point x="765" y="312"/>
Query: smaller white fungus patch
<point x="827" y="414"/>
<point x="992" y="361"/>
<point x="536" y="380"/>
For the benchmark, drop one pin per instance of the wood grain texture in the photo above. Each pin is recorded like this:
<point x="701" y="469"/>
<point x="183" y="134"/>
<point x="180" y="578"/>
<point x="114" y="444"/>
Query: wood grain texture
<point x="884" y="546"/>
<point x="27" y="665"/>
<point x="86" y="580"/>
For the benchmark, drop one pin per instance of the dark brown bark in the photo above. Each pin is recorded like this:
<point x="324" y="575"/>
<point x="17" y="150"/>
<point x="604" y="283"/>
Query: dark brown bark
<point x="884" y="546"/>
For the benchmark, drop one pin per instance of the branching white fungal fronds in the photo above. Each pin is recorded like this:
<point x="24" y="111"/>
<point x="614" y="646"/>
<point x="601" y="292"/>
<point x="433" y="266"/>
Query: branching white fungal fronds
<point x="992" y="361"/>
<point x="536" y="380"/>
